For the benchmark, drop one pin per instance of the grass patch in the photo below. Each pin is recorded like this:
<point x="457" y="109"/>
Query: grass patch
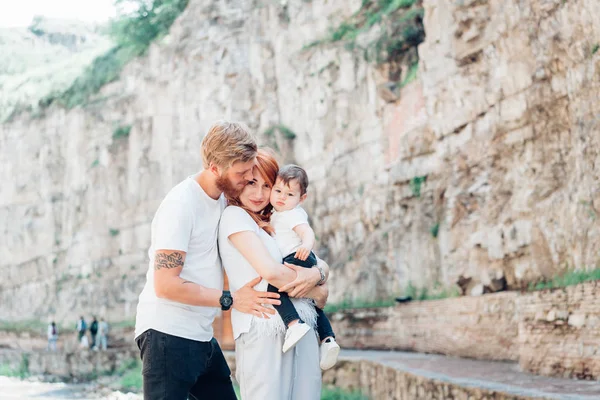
<point x="6" y="370"/>
<point x="334" y="393"/>
<point x="424" y="294"/>
<point x="127" y="323"/>
<point x="22" y="371"/>
<point x="114" y="232"/>
<point x="131" y="375"/>
<point x="358" y="303"/>
<point x="327" y="393"/>
<point x="32" y="326"/>
<point x="568" y="278"/>
<point x="130" y="364"/>
<point x="104" y="69"/>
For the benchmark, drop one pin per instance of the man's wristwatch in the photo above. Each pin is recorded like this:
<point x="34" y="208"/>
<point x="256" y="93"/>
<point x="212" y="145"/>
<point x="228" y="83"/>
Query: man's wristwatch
<point x="226" y="300"/>
<point x="322" y="280"/>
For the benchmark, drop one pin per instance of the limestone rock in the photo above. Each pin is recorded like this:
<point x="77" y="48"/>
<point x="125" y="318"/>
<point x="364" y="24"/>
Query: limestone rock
<point x="486" y="162"/>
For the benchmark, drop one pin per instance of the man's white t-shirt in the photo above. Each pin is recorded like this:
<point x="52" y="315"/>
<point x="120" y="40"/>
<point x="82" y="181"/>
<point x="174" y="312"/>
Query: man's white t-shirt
<point x="284" y="222"/>
<point x="186" y="220"/>
<point x="240" y="271"/>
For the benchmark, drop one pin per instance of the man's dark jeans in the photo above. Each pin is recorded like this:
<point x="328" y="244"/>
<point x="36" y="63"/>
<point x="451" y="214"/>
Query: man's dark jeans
<point x="174" y="368"/>
<point x="286" y="309"/>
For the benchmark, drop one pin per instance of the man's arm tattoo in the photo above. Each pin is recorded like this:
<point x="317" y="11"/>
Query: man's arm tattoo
<point x="172" y="260"/>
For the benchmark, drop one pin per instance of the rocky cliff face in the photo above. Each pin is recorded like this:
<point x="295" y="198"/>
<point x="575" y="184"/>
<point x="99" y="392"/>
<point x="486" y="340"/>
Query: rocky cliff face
<point x="486" y="167"/>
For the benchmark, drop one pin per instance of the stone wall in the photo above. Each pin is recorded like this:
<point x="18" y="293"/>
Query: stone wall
<point x="483" y="327"/>
<point x="500" y="129"/>
<point x="551" y="332"/>
<point x="559" y="332"/>
<point x="66" y="365"/>
<point x="382" y="382"/>
<point x="511" y="101"/>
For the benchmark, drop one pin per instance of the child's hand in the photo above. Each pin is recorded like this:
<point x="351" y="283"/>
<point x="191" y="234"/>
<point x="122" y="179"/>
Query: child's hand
<point x="302" y="253"/>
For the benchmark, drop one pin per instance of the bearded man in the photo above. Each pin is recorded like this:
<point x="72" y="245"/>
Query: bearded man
<point x="184" y="282"/>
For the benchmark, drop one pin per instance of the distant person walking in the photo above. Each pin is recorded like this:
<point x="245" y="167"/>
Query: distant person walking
<point x="93" y="332"/>
<point x="81" y="328"/>
<point x="103" y="334"/>
<point x="52" y="336"/>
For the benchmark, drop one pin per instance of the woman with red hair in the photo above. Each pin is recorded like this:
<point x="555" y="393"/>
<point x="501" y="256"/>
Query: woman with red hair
<point x="248" y="250"/>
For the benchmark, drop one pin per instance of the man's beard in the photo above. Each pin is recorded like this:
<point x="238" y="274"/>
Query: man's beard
<point x="228" y="188"/>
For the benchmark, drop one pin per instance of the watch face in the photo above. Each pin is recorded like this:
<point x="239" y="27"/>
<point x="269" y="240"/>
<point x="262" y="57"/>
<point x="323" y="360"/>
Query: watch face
<point x="227" y="300"/>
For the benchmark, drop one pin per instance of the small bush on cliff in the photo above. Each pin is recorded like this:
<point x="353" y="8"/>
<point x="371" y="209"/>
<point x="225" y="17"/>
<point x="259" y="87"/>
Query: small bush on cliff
<point x="139" y="24"/>
<point x="569" y="278"/>
<point x="416" y="183"/>
<point x="143" y="21"/>
<point x="401" y="30"/>
<point x="122" y="132"/>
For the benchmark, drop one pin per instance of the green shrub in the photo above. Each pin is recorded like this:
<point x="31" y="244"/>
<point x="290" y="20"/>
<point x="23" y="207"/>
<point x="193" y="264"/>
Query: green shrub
<point x="401" y="29"/>
<point x="122" y="132"/>
<point x="416" y="183"/>
<point x="285" y="131"/>
<point x="104" y="69"/>
<point x="434" y="230"/>
<point x="23" y="371"/>
<point x="131" y="378"/>
<point x="334" y="393"/>
<point x="133" y="32"/>
<point x="411" y="75"/>
<point x="148" y="20"/>
<point x="6" y="370"/>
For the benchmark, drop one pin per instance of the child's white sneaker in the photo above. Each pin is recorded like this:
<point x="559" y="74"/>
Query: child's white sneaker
<point x="294" y="334"/>
<point x="329" y="353"/>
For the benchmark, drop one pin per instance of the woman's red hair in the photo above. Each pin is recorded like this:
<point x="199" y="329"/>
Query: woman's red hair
<point x="267" y="167"/>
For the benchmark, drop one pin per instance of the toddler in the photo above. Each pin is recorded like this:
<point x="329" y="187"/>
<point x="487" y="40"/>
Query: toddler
<point x="296" y="239"/>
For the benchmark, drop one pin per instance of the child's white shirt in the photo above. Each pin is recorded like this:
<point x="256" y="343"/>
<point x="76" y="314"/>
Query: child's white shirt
<point x="284" y="222"/>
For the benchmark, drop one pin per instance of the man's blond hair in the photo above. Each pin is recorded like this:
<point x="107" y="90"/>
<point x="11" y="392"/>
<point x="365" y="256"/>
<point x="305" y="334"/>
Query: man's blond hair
<point x="226" y="143"/>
